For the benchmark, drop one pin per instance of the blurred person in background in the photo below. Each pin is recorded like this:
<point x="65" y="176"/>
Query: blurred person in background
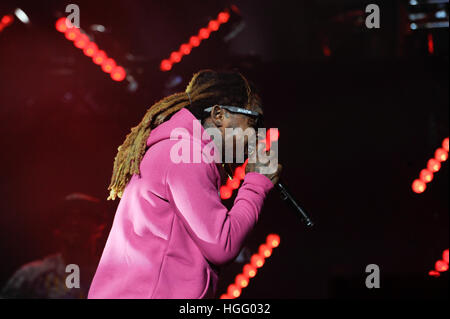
<point x="80" y="221"/>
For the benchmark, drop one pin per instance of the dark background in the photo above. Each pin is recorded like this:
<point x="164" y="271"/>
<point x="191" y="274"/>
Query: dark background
<point x="356" y="127"/>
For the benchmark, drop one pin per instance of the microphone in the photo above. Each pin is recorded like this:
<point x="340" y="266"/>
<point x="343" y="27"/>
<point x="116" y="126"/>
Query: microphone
<point x="286" y="196"/>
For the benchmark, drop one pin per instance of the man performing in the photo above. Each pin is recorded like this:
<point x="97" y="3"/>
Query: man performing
<point x="171" y="232"/>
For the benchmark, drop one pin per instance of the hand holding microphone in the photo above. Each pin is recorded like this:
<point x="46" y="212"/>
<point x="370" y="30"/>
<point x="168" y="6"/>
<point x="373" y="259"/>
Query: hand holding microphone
<point x="267" y="167"/>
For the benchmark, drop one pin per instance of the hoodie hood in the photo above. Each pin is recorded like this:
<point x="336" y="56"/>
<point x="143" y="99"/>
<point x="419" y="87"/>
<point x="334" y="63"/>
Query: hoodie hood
<point x="185" y="127"/>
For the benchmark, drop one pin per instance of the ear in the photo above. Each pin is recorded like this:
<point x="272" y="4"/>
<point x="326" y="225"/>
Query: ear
<point x="217" y="115"/>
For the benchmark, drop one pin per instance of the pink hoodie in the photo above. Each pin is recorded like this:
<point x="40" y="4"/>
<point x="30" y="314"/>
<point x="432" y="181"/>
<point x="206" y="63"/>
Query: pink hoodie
<point x="171" y="230"/>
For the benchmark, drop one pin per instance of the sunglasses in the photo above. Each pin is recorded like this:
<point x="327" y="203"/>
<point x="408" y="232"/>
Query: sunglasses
<point x="235" y="109"/>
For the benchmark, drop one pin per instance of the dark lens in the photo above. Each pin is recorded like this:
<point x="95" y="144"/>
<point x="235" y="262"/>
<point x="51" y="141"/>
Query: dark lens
<point x="260" y="122"/>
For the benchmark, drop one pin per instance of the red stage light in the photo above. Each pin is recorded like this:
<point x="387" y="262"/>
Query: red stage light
<point x="175" y="57"/>
<point x="445" y="256"/>
<point x="241" y="281"/>
<point x="430" y="43"/>
<point x="81" y="41"/>
<point x="273" y="240"/>
<point x="223" y="17"/>
<point x="426" y="175"/>
<point x="441" y="266"/>
<point x="250" y="271"/>
<point x="99" y="57"/>
<point x="233" y="183"/>
<point x="204" y="33"/>
<point x="166" y="65"/>
<point x="234" y="291"/>
<point x="418" y="186"/>
<point x="273" y="134"/>
<point x="225" y="192"/>
<point x="445" y="144"/>
<point x="434" y="273"/>
<point x="90" y="49"/>
<point x="433" y="165"/>
<point x="441" y="155"/>
<point x="118" y="73"/>
<point x="257" y="261"/>
<point x="225" y="296"/>
<point x="61" y="25"/>
<point x="185" y="49"/>
<point x="213" y="25"/>
<point x="239" y="173"/>
<point x="108" y="65"/>
<point x="265" y="250"/>
<point x="194" y="41"/>
<point x="7" y="20"/>
<point x="72" y="34"/>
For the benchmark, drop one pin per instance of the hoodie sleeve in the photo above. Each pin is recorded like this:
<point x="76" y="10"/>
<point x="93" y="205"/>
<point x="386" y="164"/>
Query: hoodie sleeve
<point x="192" y="190"/>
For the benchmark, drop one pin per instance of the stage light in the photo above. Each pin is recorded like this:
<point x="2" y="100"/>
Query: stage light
<point x="273" y="240"/>
<point x="175" y="57"/>
<point x="426" y="175"/>
<point x="185" y="49"/>
<point x="434" y="273"/>
<point x="445" y="256"/>
<point x="223" y="17"/>
<point x="225" y="192"/>
<point x="241" y="281"/>
<point x="430" y="44"/>
<point x="441" y="14"/>
<point x="213" y="25"/>
<point x="118" y="73"/>
<point x="204" y="33"/>
<point x="250" y="271"/>
<point x="257" y="261"/>
<point x="7" y="20"/>
<point x="99" y="57"/>
<point x="265" y="250"/>
<point x="194" y="41"/>
<point x="98" y="28"/>
<point x="91" y="49"/>
<point x="108" y="65"/>
<point x="81" y="41"/>
<point x="61" y="25"/>
<point x="413" y="26"/>
<point x="433" y="165"/>
<point x="233" y="183"/>
<point x="441" y="266"/>
<point x="225" y="296"/>
<point x="418" y="186"/>
<point x="234" y="291"/>
<point x="273" y="134"/>
<point x="166" y="65"/>
<point x="72" y="33"/>
<point x="239" y="173"/>
<point x="441" y="155"/>
<point x="445" y="144"/>
<point x="22" y="16"/>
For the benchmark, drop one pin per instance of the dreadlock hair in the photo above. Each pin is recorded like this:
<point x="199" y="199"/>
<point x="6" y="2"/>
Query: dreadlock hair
<point x="206" y="88"/>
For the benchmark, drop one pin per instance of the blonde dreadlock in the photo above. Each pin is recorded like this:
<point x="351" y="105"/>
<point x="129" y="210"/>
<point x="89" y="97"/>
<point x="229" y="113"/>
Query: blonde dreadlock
<point x="206" y="88"/>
